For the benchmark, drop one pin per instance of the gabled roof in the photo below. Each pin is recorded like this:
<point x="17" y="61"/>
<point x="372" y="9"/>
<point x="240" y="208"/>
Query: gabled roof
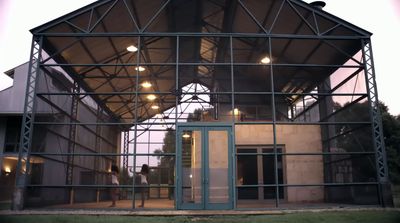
<point x="150" y="16"/>
<point x="91" y="42"/>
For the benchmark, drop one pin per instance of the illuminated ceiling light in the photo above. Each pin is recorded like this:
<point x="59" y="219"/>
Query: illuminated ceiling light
<point x="140" y="68"/>
<point x="185" y="135"/>
<point x="155" y="107"/>
<point x="265" y="60"/>
<point x="146" y="84"/>
<point x="132" y="48"/>
<point x="7" y="170"/>
<point x="236" y="111"/>
<point x="151" y="97"/>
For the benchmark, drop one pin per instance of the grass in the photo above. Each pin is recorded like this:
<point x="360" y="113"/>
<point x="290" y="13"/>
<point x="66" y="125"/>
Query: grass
<point x="321" y="217"/>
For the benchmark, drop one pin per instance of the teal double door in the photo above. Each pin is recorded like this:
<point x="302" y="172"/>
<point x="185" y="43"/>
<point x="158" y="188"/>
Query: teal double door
<point x="204" y="173"/>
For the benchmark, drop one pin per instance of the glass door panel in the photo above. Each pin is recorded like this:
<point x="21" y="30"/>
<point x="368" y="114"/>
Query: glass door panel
<point x="218" y="166"/>
<point x="204" y="167"/>
<point x="192" y="183"/>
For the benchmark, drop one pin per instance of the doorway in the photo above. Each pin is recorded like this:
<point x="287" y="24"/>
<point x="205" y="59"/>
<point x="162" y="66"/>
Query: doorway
<point x="256" y="176"/>
<point x="204" y="167"/>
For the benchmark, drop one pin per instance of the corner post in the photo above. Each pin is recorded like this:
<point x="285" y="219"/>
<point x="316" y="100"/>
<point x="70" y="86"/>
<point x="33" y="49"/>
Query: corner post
<point x="384" y="190"/>
<point x="25" y="142"/>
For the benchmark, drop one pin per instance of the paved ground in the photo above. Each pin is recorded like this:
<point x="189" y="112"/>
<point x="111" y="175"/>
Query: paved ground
<point x="139" y="212"/>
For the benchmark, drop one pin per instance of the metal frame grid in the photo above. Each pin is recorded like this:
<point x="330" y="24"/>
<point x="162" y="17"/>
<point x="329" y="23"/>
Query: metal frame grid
<point x="138" y="126"/>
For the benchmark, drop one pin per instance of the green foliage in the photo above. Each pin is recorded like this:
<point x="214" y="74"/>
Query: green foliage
<point x="391" y="132"/>
<point x="356" y="138"/>
<point x="167" y="163"/>
<point x="360" y="139"/>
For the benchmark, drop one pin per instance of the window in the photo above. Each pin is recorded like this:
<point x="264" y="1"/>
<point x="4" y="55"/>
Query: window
<point x="13" y="129"/>
<point x="256" y="167"/>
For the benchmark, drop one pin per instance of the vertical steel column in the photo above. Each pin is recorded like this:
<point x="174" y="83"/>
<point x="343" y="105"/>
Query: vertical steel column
<point x="234" y="158"/>
<point x="177" y="97"/>
<point x="136" y="120"/>
<point x="97" y="146"/>
<point x="71" y="140"/>
<point x="274" y="125"/>
<point x="23" y="164"/>
<point x="384" y="189"/>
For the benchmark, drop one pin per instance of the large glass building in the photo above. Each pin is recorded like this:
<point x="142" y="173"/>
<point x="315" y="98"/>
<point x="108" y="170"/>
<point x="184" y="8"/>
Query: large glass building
<point x="233" y="104"/>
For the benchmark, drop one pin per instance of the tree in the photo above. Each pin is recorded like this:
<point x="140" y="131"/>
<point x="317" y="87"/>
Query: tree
<point x="356" y="138"/>
<point x="167" y="163"/>
<point x="361" y="140"/>
<point x="391" y="132"/>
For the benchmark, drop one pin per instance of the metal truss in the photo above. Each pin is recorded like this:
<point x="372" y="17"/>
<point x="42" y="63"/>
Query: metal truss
<point x="72" y="140"/>
<point x="125" y="150"/>
<point x="72" y="132"/>
<point x="23" y="164"/>
<point x="377" y="130"/>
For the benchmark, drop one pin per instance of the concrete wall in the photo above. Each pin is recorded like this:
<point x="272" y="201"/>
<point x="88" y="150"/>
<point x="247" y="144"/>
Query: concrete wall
<point x="54" y="138"/>
<point x="297" y="169"/>
<point x="12" y="99"/>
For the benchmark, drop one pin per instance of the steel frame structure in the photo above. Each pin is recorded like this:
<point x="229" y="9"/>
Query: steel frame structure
<point x="185" y="97"/>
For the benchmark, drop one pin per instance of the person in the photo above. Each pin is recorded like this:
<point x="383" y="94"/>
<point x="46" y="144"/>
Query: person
<point x="144" y="172"/>
<point x="114" y="182"/>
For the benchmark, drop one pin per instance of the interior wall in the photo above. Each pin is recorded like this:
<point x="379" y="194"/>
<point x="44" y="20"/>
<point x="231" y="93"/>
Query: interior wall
<point x="297" y="169"/>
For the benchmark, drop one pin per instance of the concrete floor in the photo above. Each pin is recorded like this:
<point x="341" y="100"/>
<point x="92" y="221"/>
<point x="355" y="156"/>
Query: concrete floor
<point x="121" y="204"/>
<point x="169" y="205"/>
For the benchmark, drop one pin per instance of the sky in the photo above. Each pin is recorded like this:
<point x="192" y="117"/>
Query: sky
<point x="381" y="17"/>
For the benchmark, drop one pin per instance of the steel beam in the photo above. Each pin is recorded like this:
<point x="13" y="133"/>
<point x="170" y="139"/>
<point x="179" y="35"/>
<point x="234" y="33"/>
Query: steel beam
<point x="23" y="164"/>
<point x="377" y="129"/>
<point x="72" y="140"/>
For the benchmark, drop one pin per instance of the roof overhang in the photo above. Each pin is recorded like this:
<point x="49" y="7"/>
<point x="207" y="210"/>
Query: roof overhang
<point x="307" y="45"/>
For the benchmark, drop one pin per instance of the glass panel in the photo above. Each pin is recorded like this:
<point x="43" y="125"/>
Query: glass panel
<point x="218" y="166"/>
<point x="191" y="167"/>
<point x="253" y="107"/>
<point x="247" y="174"/>
<point x="269" y="173"/>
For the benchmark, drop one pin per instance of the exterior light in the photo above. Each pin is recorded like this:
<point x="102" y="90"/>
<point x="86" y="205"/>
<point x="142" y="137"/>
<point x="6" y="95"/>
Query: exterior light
<point x="185" y="135"/>
<point x="236" y="111"/>
<point x="140" y="68"/>
<point x="265" y="60"/>
<point x="146" y="84"/>
<point x="155" y="107"/>
<point x="151" y="97"/>
<point x="132" y="48"/>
